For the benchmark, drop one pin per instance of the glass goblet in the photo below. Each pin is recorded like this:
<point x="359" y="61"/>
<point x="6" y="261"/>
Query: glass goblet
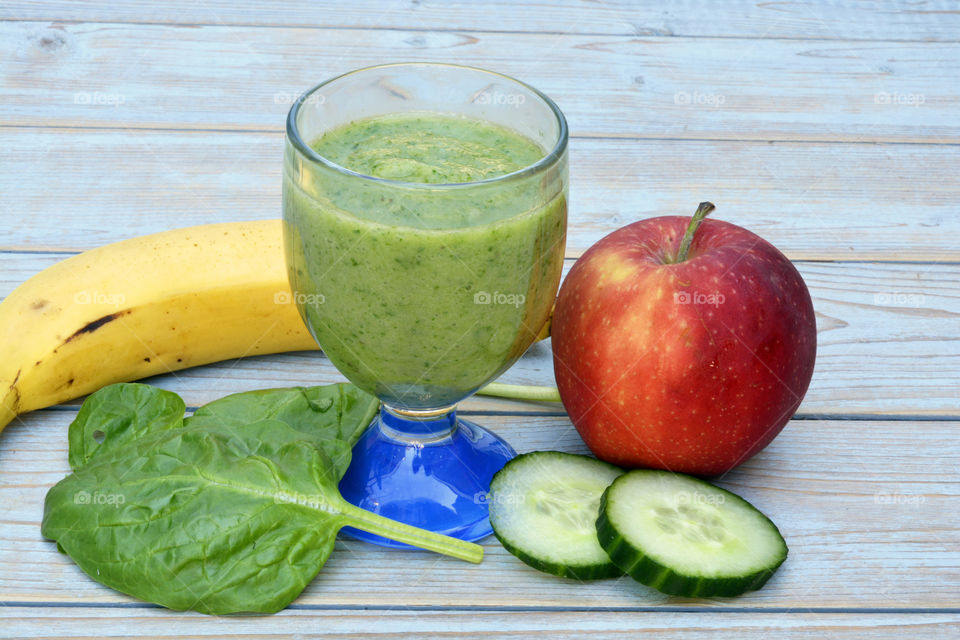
<point x="422" y="292"/>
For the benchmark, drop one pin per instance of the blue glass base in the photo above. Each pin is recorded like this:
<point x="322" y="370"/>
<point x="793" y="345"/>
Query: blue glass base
<point x="430" y="473"/>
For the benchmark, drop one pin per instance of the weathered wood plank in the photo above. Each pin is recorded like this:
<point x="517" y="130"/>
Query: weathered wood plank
<point x="467" y="624"/>
<point x="70" y="190"/>
<point x="881" y="324"/>
<point x="867" y="508"/>
<point x="927" y="21"/>
<point x="229" y="78"/>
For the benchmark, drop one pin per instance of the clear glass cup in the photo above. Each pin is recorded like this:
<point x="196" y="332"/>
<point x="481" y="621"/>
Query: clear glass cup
<point x="422" y="293"/>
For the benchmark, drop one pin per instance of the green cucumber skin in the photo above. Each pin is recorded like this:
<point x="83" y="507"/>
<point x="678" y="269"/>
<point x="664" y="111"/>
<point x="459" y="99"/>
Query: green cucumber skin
<point x="648" y="571"/>
<point x="585" y="572"/>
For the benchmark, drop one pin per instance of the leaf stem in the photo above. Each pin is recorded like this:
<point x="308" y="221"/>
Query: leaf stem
<point x="372" y="523"/>
<point x="521" y="392"/>
<point x="701" y="213"/>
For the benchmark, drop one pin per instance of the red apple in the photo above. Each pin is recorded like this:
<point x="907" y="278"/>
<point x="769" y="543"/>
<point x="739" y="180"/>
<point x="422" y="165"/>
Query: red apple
<point x="688" y="358"/>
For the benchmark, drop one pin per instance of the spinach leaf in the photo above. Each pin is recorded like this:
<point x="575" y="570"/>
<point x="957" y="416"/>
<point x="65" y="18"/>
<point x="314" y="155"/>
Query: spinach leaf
<point x="334" y="415"/>
<point x="235" y="509"/>
<point x="118" y="414"/>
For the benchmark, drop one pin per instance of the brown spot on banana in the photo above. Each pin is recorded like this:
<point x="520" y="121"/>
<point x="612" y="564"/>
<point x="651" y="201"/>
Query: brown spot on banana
<point x="90" y="327"/>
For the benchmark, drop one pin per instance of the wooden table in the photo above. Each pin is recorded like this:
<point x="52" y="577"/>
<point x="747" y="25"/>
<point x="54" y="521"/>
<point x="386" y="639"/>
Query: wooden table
<point x="830" y="129"/>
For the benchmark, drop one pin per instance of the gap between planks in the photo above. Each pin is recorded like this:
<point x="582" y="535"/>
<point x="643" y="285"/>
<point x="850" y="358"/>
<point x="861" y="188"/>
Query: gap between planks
<point x="571" y="258"/>
<point x="74" y="405"/>
<point x="53" y="604"/>
<point x="650" y="33"/>
<point x="736" y="19"/>
<point x="812" y="139"/>
<point x="480" y="625"/>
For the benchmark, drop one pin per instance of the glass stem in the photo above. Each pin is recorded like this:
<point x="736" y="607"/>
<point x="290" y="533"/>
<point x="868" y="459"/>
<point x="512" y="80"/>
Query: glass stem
<point x="410" y="425"/>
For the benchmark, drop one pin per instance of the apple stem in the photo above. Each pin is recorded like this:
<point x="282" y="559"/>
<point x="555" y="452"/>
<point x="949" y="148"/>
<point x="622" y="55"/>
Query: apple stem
<point x="701" y="213"/>
<point x="521" y="392"/>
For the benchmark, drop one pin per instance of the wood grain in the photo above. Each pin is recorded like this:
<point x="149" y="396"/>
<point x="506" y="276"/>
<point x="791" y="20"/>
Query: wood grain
<point x="468" y="624"/>
<point x="150" y="76"/>
<point x="818" y="201"/>
<point x="925" y="21"/>
<point x="879" y="324"/>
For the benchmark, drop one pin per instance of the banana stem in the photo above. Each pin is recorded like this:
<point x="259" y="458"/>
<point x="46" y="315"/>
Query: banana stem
<point x="372" y="523"/>
<point x="521" y="392"/>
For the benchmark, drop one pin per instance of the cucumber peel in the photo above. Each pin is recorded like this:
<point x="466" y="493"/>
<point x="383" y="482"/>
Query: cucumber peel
<point x="686" y="537"/>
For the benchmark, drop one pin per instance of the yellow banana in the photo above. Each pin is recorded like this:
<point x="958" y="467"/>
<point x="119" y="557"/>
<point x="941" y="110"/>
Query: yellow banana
<point x="145" y="306"/>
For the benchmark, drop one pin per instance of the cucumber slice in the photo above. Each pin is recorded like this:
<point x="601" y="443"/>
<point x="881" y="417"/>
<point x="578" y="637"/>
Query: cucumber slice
<point x="686" y="537"/>
<point x="544" y="507"/>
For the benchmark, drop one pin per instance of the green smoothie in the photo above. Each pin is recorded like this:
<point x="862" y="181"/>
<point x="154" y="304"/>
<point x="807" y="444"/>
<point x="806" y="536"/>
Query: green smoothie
<point x="426" y="283"/>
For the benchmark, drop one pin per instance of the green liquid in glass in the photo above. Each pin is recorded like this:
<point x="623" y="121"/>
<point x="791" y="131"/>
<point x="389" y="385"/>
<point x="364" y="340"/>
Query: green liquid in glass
<point x="421" y="295"/>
